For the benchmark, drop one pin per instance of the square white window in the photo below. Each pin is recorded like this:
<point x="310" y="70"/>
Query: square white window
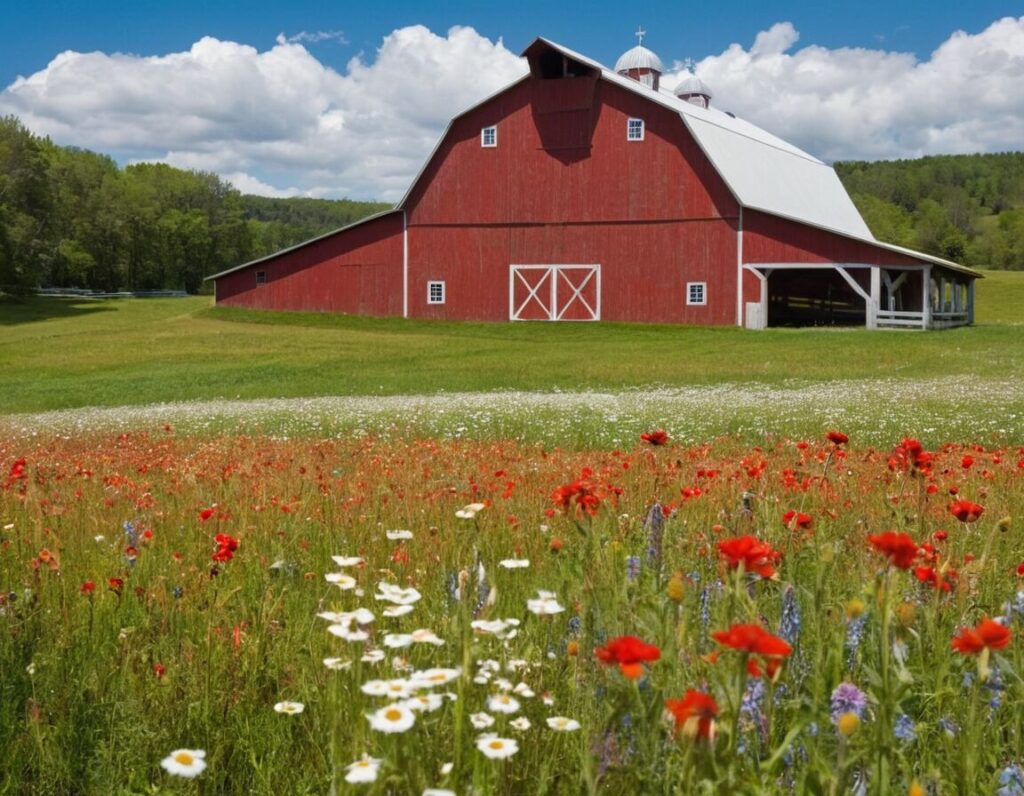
<point x="435" y="292"/>
<point x="635" y="130"/>
<point x="261" y="277"/>
<point x="697" y="293"/>
<point x="489" y="136"/>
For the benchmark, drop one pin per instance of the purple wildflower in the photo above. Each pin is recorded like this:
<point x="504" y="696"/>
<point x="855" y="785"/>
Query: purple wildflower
<point x="847" y="698"/>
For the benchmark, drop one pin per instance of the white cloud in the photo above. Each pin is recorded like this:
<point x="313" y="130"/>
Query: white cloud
<point x="228" y="108"/>
<point x="282" y="118"/>
<point x="869" y="104"/>
<point x="313" y="37"/>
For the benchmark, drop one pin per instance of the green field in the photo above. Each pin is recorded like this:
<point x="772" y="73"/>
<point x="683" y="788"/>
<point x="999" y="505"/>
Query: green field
<point x="60" y="353"/>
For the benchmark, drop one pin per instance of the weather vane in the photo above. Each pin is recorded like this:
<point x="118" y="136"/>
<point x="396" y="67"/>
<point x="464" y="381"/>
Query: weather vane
<point x="640" y="33"/>
<point x="689" y="63"/>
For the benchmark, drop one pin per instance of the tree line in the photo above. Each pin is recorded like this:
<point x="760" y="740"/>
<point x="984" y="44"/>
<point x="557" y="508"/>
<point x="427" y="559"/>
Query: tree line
<point x="967" y="208"/>
<point x="74" y="218"/>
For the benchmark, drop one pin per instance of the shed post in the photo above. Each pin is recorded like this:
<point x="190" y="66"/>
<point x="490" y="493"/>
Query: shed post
<point x="926" y="298"/>
<point x="876" y="297"/>
<point x="970" y="301"/>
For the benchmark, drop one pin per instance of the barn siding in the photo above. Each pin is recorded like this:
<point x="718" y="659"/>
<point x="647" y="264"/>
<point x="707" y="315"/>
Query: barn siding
<point x="356" y="270"/>
<point x="769" y="239"/>
<point x="644" y="267"/>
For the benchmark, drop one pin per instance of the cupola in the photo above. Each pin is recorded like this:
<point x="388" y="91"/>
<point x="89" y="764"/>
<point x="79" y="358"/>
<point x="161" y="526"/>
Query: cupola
<point x="694" y="90"/>
<point x="641" y="64"/>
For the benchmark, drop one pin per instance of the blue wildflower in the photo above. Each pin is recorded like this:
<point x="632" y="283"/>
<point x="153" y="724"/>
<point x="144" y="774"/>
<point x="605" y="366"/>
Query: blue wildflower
<point x="632" y="567"/>
<point x="789" y="623"/>
<point x="847" y="698"/>
<point x="655" y="527"/>
<point x="854" y="633"/>
<point x="1011" y="781"/>
<point x="904" y="729"/>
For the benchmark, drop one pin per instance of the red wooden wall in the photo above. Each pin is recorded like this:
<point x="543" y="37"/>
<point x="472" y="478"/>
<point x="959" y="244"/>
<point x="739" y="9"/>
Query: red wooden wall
<point x="356" y="271"/>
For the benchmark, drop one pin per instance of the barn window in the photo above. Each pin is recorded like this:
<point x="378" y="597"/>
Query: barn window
<point x="696" y="293"/>
<point x="489" y="136"/>
<point x="635" y="130"/>
<point x="435" y="292"/>
<point x="261" y="277"/>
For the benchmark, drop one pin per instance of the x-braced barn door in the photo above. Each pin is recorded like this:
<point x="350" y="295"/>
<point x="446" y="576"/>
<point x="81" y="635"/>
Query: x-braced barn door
<point x="554" y="293"/>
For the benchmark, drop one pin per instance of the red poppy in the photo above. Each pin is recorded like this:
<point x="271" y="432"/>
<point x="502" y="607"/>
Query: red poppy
<point x="629" y="653"/>
<point x="755" y="555"/>
<point x="900" y="548"/>
<point x="988" y="634"/>
<point x="754" y="640"/>
<point x="205" y="514"/>
<point x="583" y="491"/>
<point x="837" y="437"/>
<point x="797" y="521"/>
<point x="965" y="510"/>
<point x="694" y="714"/>
<point x="115" y="585"/>
<point x="658" y="437"/>
<point x="226" y="547"/>
<point x="1020" y="569"/>
<point x="88" y="587"/>
<point x="159" y="670"/>
<point x="967" y="462"/>
<point x="943" y="581"/>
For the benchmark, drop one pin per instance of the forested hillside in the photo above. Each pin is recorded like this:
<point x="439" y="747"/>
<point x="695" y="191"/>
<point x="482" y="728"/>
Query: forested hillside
<point x="73" y="218"/>
<point x="968" y="208"/>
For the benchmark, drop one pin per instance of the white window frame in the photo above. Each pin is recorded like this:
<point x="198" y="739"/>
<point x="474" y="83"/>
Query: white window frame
<point x="631" y="126"/>
<point x="703" y="287"/>
<point x="483" y="136"/>
<point x="430" y="291"/>
<point x="263" y="281"/>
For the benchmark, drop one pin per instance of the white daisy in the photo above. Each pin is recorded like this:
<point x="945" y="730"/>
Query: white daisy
<point x="425" y="636"/>
<point x="335" y="617"/>
<point x="394" y="536"/>
<point x="523" y="690"/>
<point x="373" y="656"/>
<point x="392" y="718"/>
<point x="562" y="724"/>
<point x="291" y="708"/>
<point x="364" y="616"/>
<point x="337" y="664"/>
<point x="430" y="678"/>
<point x="363" y="770"/>
<point x="346" y="632"/>
<point x="438" y="792"/>
<point x="514" y="563"/>
<point x="425" y="703"/>
<point x="398" y="610"/>
<point x="397" y="640"/>
<point x="522" y="724"/>
<point x="391" y="593"/>
<point x="186" y="763"/>
<point x="545" y="604"/>
<point x="496" y="748"/>
<point x="469" y="512"/>
<point x="347" y="561"/>
<point x="446" y="769"/>
<point x="502" y="684"/>
<point x="481" y="720"/>
<point x="503" y="703"/>
<point x="341" y="580"/>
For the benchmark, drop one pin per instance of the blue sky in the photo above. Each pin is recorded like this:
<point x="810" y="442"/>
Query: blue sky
<point x="345" y="99"/>
<point x="675" y="30"/>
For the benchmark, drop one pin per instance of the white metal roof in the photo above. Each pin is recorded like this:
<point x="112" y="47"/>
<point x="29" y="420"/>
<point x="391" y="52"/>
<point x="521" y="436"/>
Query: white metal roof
<point x="639" y="58"/>
<point x="691" y="84"/>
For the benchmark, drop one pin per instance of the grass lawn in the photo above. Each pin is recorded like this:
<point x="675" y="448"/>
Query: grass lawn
<point x="60" y="353"/>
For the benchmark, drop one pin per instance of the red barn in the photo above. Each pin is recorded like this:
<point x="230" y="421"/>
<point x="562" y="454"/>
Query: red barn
<point x="580" y="193"/>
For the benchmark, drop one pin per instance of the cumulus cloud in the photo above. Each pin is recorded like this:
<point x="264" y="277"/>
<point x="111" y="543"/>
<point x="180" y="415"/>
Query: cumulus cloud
<point x="272" y="118"/>
<point x="314" y="37"/>
<point x="872" y="104"/>
<point x="280" y="117"/>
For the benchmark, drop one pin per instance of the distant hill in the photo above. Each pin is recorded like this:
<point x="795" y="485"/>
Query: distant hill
<point x="74" y="218"/>
<point x="968" y="208"/>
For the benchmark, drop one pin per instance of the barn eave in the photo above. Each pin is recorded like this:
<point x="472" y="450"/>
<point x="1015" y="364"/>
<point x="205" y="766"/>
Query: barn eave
<point x="303" y="244"/>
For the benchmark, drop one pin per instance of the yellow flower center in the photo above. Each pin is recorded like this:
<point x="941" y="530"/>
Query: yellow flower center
<point x="184" y="758"/>
<point x="496" y="745"/>
<point x="393" y="715"/>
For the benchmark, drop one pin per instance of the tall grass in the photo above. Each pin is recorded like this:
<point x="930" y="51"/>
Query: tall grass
<point x="188" y="652"/>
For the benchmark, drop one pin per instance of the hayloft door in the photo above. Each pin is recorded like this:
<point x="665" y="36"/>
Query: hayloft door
<point x="554" y="293"/>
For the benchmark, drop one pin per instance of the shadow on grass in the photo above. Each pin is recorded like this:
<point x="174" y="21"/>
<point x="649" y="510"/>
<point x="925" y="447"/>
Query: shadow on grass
<point x="16" y="310"/>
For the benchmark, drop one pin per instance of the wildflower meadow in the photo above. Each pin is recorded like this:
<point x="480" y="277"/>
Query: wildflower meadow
<point x="226" y="613"/>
